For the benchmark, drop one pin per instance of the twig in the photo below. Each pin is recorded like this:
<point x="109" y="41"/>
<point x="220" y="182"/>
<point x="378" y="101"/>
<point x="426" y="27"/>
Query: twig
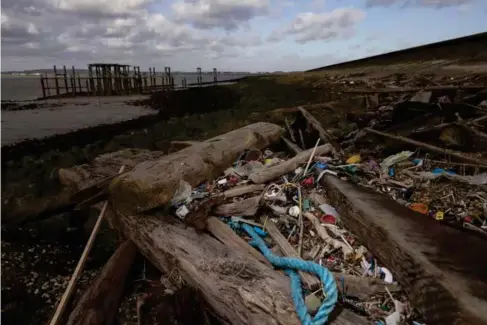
<point x="301" y="223"/>
<point x="79" y="268"/>
<point x="301" y="137"/>
<point x="311" y="157"/>
<point x="288" y="127"/>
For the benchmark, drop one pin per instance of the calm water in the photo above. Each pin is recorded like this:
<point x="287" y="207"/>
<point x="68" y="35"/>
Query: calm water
<point x="29" y="87"/>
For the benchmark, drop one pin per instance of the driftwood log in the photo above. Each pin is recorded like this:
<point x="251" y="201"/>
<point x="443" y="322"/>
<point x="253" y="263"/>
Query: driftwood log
<point x="239" y="289"/>
<point x="288" y="166"/>
<point x="99" y="303"/>
<point x="429" y="147"/>
<point x="243" y="189"/>
<point x="103" y="167"/>
<point x="84" y="185"/>
<point x="315" y="124"/>
<point x="153" y="184"/>
<point x="443" y="270"/>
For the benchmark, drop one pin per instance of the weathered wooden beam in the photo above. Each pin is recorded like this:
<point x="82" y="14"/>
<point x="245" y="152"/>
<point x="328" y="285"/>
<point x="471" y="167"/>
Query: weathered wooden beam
<point x="153" y="184"/>
<point x="292" y="146"/>
<point x="270" y="173"/>
<point x="443" y="270"/>
<point x="412" y="89"/>
<point x="99" y="303"/>
<point x="240" y="290"/>
<point x="429" y="147"/>
<point x="226" y="235"/>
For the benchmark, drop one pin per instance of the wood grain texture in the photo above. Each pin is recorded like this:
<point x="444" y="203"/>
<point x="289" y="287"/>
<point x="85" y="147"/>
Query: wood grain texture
<point x="443" y="270"/>
<point x="99" y="303"/>
<point x="152" y="184"/>
<point x="285" y="167"/>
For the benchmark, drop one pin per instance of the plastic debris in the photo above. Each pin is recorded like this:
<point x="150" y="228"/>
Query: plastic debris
<point x="419" y="207"/>
<point x="439" y="215"/>
<point x="182" y="211"/>
<point x="394" y="159"/>
<point x="329" y="210"/>
<point x="355" y="159"/>
<point x="183" y="193"/>
<point x="387" y="275"/>
<point x="222" y="181"/>
<point x="294" y="211"/>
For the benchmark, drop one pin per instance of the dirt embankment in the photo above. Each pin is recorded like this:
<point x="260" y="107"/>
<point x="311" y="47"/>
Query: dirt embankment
<point x="463" y="50"/>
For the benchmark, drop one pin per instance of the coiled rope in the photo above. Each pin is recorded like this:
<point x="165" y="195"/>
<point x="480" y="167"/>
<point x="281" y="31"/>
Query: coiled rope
<point x="291" y="265"/>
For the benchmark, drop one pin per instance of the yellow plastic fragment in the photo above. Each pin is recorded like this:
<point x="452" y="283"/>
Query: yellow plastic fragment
<point x="355" y="159"/>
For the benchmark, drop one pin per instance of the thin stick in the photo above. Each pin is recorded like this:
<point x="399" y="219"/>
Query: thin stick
<point x="81" y="263"/>
<point x="301" y="222"/>
<point x="311" y="157"/>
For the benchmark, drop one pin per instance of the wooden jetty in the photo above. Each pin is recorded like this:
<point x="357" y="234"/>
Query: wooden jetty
<point x="111" y="79"/>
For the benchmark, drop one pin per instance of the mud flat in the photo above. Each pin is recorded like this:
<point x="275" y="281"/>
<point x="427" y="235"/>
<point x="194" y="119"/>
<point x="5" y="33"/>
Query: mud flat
<point x="56" y="117"/>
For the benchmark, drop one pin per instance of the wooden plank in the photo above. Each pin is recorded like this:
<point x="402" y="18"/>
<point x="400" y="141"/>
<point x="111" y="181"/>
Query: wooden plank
<point x="277" y="171"/>
<point x="100" y="302"/>
<point x="443" y="270"/>
<point x="413" y="89"/>
<point x="445" y="152"/>
<point x="312" y="282"/>
<point x="226" y="235"/>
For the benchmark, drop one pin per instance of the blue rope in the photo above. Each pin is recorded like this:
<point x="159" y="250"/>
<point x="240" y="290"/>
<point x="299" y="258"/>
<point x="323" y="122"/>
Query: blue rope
<point x="291" y="266"/>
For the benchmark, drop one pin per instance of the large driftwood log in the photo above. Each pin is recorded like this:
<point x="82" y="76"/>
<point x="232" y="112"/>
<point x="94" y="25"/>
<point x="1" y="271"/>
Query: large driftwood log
<point x="153" y="184"/>
<point x="84" y="185"/>
<point x="239" y="289"/>
<point x="443" y="270"/>
<point x="104" y="166"/>
<point x="288" y="166"/>
<point x="99" y="303"/>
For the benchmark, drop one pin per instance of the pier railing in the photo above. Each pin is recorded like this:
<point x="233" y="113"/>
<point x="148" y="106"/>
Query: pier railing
<point x="112" y="80"/>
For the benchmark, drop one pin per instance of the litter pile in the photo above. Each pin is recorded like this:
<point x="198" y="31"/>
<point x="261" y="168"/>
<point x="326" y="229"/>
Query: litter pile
<point x="290" y="203"/>
<point x="291" y="214"/>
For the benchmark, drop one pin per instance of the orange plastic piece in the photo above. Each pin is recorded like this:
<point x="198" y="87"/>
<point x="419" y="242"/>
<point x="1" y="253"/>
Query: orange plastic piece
<point x="419" y="207"/>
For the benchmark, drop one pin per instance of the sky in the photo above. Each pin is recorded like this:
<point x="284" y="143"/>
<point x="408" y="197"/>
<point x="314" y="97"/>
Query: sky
<point x="230" y="35"/>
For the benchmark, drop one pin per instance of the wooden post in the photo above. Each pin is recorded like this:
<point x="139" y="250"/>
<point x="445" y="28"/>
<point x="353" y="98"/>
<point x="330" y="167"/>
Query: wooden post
<point x="73" y="80"/>
<point x="87" y="87"/>
<point x="154" y="76"/>
<point x="43" y="88"/>
<point x="199" y="78"/>
<point x="79" y="85"/>
<point x="65" y="79"/>
<point x="215" y="76"/>
<point x="46" y="78"/>
<point x="150" y="78"/>
<point x="56" y="81"/>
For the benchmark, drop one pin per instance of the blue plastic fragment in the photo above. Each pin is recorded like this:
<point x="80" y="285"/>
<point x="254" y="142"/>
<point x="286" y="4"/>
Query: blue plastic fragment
<point x="392" y="172"/>
<point x="437" y="171"/>
<point x="321" y="165"/>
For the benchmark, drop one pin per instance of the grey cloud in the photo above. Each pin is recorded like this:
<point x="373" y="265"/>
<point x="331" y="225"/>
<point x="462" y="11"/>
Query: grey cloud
<point x="308" y="26"/>
<point x="421" y="3"/>
<point x="226" y="14"/>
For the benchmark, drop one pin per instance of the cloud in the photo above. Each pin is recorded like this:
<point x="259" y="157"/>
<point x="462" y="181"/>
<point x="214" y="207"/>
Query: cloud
<point x="421" y="3"/>
<point x="227" y="14"/>
<point x="309" y="26"/>
<point x="47" y="32"/>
